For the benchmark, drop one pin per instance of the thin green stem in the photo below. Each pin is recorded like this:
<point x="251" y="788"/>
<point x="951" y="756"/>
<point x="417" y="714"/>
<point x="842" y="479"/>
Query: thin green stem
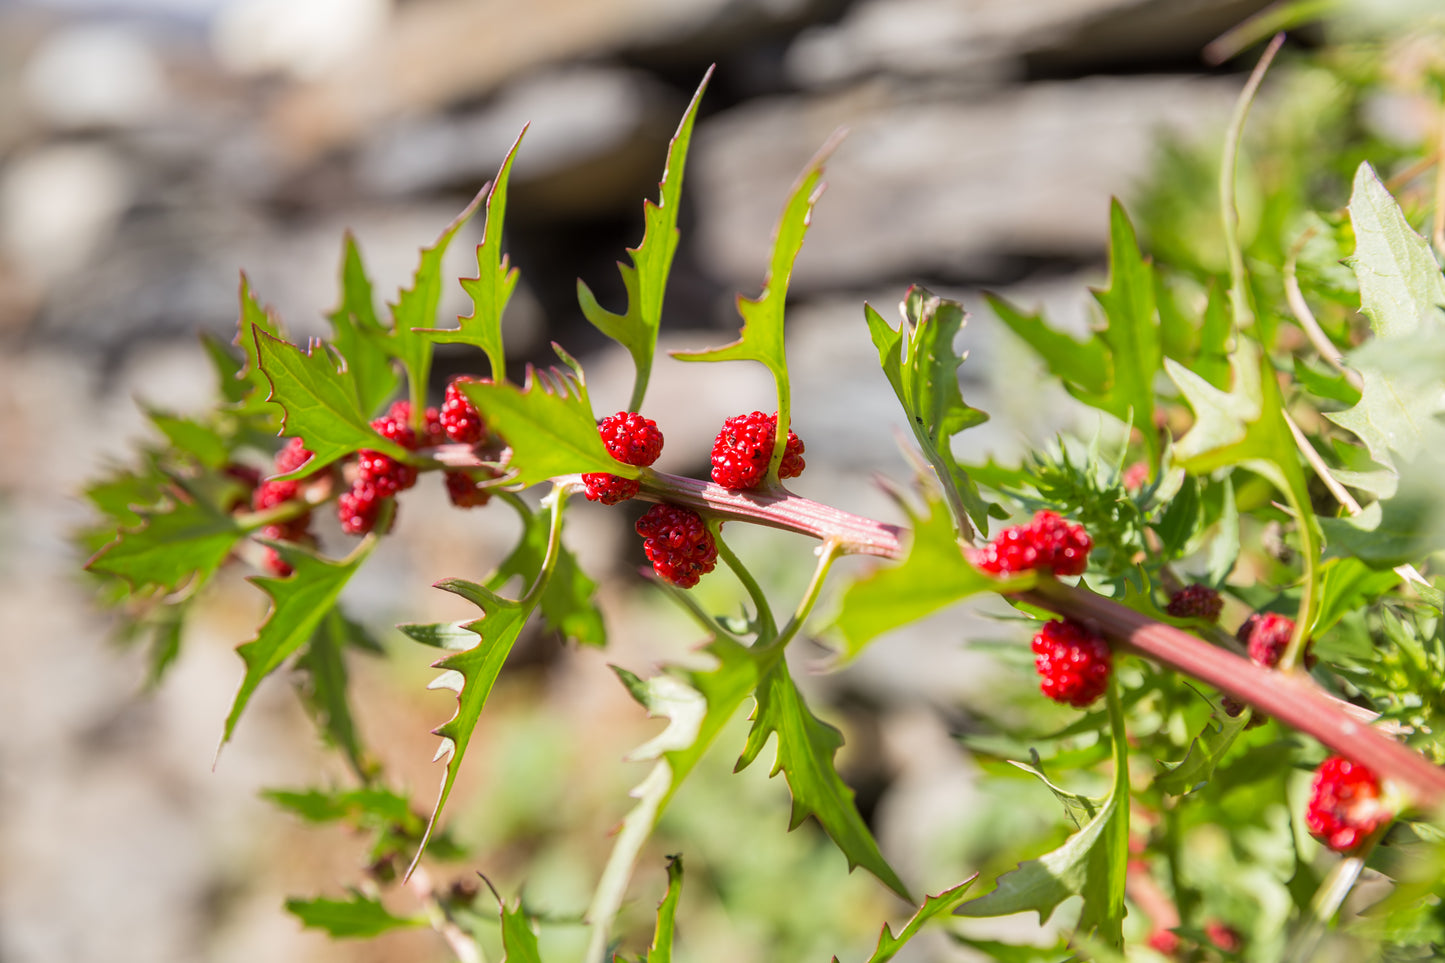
<point x="827" y="552"/>
<point x="1238" y="281"/>
<point x="767" y="626"/>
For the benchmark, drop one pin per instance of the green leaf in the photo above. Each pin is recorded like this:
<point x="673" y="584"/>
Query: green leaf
<point x="761" y="338"/>
<point x="568" y="601"/>
<point x="1401" y="287"/>
<point x="805" y="750"/>
<point x="661" y="950"/>
<point x="371" y="808"/>
<point x="254" y="321"/>
<point x="496" y="279"/>
<point x="360" y="917"/>
<point x="359" y="337"/>
<point x="519" y="940"/>
<point x="1215" y="332"/>
<point x="933" y="906"/>
<point x="184" y="539"/>
<point x="925" y="379"/>
<point x="548" y="424"/>
<point x="933" y="575"/>
<point x="325" y="690"/>
<point x="191" y="437"/>
<point x="1325" y="383"/>
<point x="299" y="602"/>
<point x="1347" y="584"/>
<point x="1386" y="534"/>
<point x="320" y="403"/>
<point x="1204" y="755"/>
<point x="1402" y="398"/>
<point x="1091" y="863"/>
<point x="1081" y="364"/>
<point x="723" y="689"/>
<point x="228" y="369"/>
<point x="645" y="279"/>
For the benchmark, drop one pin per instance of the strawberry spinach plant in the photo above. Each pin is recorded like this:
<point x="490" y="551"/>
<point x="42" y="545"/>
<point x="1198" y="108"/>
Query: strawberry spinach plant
<point x="1228" y="585"/>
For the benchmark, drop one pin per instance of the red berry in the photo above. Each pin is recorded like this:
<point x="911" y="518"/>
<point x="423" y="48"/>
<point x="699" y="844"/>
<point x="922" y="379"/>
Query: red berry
<point x="1345" y="805"/>
<point x="269" y="494"/>
<point x="466" y="491"/>
<point x="393" y="426"/>
<point x="1072" y="661"/>
<point x="386" y="473"/>
<point x="359" y="508"/>
<point x="1164" y="941"/>
<point x="1224" y="936"/>
<point x="1196" y="602"/>
<point x="1267" y="636"/>
<point x="742" y="450"/>
<point x="609" y="489"/>
<point x="632" y="440"/>
<point x="291" y="456"/>
<point x="432" y="434"/>
<point x="677" y="543"/>
<point x="1046" y="542"/>
<point x="459" y="417"/>
<point x="292" y="530"/>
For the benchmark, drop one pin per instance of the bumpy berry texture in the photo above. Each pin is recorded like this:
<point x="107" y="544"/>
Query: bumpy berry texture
<point x="1345" y="805"/>
<point x="1047" y="542"/>
<point x="1073" y="662"/>
<point x="459" y="417"/>
<point x="291" y="456"/>
<point x="466" y="491"/>
<point x="269" y="494"/>
<point x="359" y="508"/>
<point x="432" y="434"/>
<point x="632" y="440"/>
<point x="742" y="450"/>
<point x="388" y="475"/>
<point x="677" y="543"/>
<point x="1267" y="636"/>
<point x="1196" y="602"/>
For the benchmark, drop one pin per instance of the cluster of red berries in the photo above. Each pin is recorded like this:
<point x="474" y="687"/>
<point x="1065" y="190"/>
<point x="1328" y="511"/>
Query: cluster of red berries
<point x="273" y="492"/>
<point x="677" y="543"/>
<point x="1073" y="662"/>
<point x="1345" y="807"/>
<point x="1266" y="635"/>
<point x="1047" y="542"/>
<point x="1196" y="602"/>
<point x="632" y="440"/>
<point x="744" y="447"/>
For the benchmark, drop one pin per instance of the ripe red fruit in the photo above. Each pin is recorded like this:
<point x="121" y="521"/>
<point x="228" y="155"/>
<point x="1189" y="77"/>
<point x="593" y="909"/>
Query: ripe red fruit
<point x="1196" y="602"/>
<point x="459" y="417"/>
<point x="388" y="475"/>
<point x="632" y="440"/>
<point x="1046" y="542"/>
<point x="1345" y="805"/>
<point x="359" y="508"/>
<point x="396" y="429"/>
<point x="400" y="414"/>
<point x="291" y="456"/>
<point x="1267" y="636"/>
<point x="1073" y="662"/>
<point x="465" y="491"/>
<point x="677" y="543"/>
<point x="269" y="494"/>
<point x="742" y="450"/>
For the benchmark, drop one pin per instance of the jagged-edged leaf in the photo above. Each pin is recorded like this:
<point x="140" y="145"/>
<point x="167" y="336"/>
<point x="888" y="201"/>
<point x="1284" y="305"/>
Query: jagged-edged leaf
<point x="549" y="425"/>
<point x="933" y="906"/>
<point x="416" y="310"/>
<point x="921" y="364"/>
<point x="254" y="320"/>
<point x="761" y="338"/>
<point x="645" y="279"/>
<point x="805" y="749"/>
<point x="370" y="808"/>
<point x="181" y="540"/>
<point x="359" y="917"/>
<point x="1388" y="533"/>
<point x="496" y="279"/>
<point x="1000" y="952"/>
<point x="661" y="949"/>
<point x="227" y="368"/>
<point x="568" y="604"/>
<point x="190" y="437"/>
<point x="123" y="492"/>
<point x="1348" y="584"/>
<point x="471" y="674"/>
<point x="324" y="688"/>
<point x="359" y="336"/>
<point x="299" y="603"/>
<point x="519" y="940"/>
<point x="452" y="636"/>
<point x="1091" y="863"/>
<point x="1205" y="752"/>
<point x="933" y="575"/>
<point x="320" y="403"/>
<point x="1402" y="398"/>
<point x="1401" y="288"/>
<point x="723" y="689"/>
<point x="1181" y="520"/>
<point x="1082" y="364"/>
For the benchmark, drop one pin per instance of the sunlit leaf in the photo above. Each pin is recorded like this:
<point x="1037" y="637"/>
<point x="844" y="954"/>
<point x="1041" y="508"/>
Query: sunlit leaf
<point x="183" y="539"/>
<point x="359" y="337"/>
<point x="661" y="949"/>
<point x="360" y="917"/>
<point x="325" y="688"/>
<point x="568" y="602"/>
<point x="519" y="940"/>
<point x="933" y="907"/>
<point x="1401" y="288"/>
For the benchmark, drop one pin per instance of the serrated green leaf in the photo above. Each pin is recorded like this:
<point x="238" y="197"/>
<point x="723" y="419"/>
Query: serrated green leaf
<point x="1348" y="584"/>
<point x="933" y="906"/>
<point x="253" y="321"/>
<point x="191" y="437"/>
<point x="723" y="689"/>
<point x="645" y="279"/>
<point x="358" y="335"/>
<point x="299" y="603"/>
<point x="1401" y="287"/>
<point x="933" y="575"/>
<point x="121" y="494"/>
<point x="1402" y="398"/>
<point x="805" y="749"/>
<point x="519" y="940"/>
<point x="921" y="364"/>
<point x="761" y="338"/>
<point x="661" y="949"/>
<point x="1327" y="384"/>
<point x="325" y="691"/>
<point x="496" y="279"/>
<point x="179" y="541"/>
<point x="568" y="604"/>
<point x="1091" y="863"/>
<point x="320" y="404"/>
<point x="360" y="917"/>
<point x="369" y="808"/>
<point x="549" y="425"/>
<point x="414" y="315"/>
<point x="227" y="367"/>
<point x="1386" y="534"/>
<point x="1084" y="364"/>
<point x="1203" y="756"/>
<point x="453" y="636"/>
<point x="1181" y="519"/>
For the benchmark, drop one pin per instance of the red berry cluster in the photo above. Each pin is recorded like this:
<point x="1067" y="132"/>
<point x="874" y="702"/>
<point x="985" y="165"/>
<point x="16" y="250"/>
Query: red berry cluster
<point x="269" y="494"/>
<point x="743" y="448"/>
<point x="1266" y="635"/>
<point x="1345" y="805"/>
<point x="378" y="475"/>
<point x="459" y="418"/>
<point x="677" y="543"/>
<point x="1047" y="542"/>
<point x="1196" y="602"/>
<point x="632" y="440"/>
<point x="1073" y="662"/>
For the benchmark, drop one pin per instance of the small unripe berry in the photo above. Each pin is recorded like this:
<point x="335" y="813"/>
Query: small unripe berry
<point x="1196" y="602"/>
<point x="1047" y="542"/>
<point x="1345" y="805"/>
<point x="632" y="440"/>
<point x="459" y="417"/>
<point x="743" y="448"/>
<point x="1073" y="662"/>
<point x="677" y="543"/>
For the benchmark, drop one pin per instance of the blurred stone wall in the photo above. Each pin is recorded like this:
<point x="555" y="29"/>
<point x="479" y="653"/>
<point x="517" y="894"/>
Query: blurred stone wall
<point x="151" y="148"/>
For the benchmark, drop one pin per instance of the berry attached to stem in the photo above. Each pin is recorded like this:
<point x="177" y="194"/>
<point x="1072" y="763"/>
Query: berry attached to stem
<point x="1073" y="662"/>
<point x="459" y="417"/>
<point x="1345" y="806"/>
<point x="677" y="543"/>
<point x="742" y="450"/>
<point x="1196" y="602"/>
<point x="1047" y="542"/>
<point x="632" y="440"/>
